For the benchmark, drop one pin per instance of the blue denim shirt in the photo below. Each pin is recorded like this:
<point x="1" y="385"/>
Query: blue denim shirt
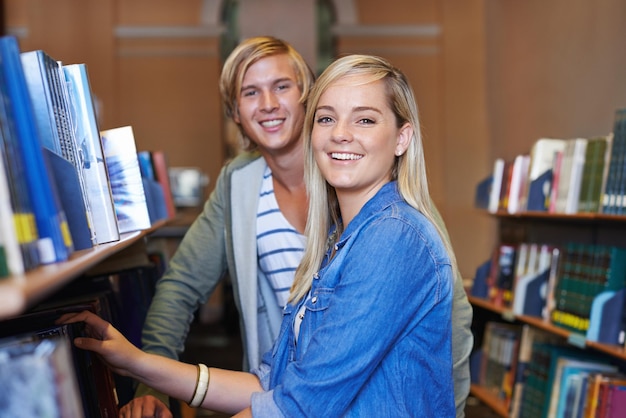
<point x="376" y="335"/>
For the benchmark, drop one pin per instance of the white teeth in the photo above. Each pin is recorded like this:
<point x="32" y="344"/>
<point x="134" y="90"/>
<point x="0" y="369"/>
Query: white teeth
<point x="272" y="123"/>
<point x="345" y="156"/>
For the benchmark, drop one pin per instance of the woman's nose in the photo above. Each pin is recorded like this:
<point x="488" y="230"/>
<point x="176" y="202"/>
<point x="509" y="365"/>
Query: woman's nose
<point x="341" y="132"/>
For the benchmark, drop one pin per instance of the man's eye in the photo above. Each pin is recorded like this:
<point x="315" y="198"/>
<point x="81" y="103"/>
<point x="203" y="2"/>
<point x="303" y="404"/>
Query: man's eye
<point x="248" y="93"/>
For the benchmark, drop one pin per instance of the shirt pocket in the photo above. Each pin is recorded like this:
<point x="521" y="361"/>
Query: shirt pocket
<point x="319" y="300"/>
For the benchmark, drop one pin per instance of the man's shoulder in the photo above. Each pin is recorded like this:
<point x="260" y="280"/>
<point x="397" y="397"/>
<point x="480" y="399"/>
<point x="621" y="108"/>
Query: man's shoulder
<point x="241" y="161"/>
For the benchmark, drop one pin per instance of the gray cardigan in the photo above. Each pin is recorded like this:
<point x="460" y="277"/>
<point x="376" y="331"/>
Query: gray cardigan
<point x="221" y="240"/>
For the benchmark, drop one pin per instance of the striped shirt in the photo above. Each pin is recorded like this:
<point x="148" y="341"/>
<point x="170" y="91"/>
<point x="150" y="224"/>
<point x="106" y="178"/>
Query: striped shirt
<point x="279" y="245"/>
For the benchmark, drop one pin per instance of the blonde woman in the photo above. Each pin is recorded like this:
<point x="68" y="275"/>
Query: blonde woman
<point x="368" y="329"/>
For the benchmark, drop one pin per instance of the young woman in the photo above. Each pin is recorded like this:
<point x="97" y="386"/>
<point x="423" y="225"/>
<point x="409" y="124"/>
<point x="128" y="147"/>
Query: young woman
<point x="367" y="330"/>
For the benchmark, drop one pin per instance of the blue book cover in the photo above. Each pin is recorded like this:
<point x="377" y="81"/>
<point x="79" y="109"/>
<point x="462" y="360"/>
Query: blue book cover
<point x="93" y="164"/>
<point x="67" y="184"/>
<point x="55" y="239"/>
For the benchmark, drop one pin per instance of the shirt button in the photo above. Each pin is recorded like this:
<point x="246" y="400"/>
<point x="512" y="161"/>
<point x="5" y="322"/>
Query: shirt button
<point x="316" y="276"/>
<point x="336" y="247"/>
<point x="314" y="299"/>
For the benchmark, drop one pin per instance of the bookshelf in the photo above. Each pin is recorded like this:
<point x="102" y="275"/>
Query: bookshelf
<point x="557" y="229"/>
<point x="21" y="292"/>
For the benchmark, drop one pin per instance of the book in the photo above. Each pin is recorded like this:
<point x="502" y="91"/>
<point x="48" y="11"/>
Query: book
<point x="607" y="388"/>
<point x="496" y="187"/>
<point x="529" y="294"/>
<point x="55" y="241"/>
<point x="482" y="192"/>
<point x="607" y="318"/>
<point x="528" y="338"/>
<point x="98" y="189"/>
<point x="505" y="188"/>
<point x="480" y="287"/>
<point x="502" y="293"/>
<point x="23" y="217"/>
<point x="565" y="369"/>
<point x="500" y="348"/>
<point x="65" y="177"/>
<point x="519" y="177"/>
<point x="161" y="174"/>
<point x="585" y="272"/>
<point x="129" y="198"/>
<point x="557" y="167"/>
<point x="55" y="122"/>
<point x="539" y="173"/>
<point x="95" y="380"/>
<point x="38" y="378"/>
<point x="155" y="197"/>
<point x="593" y="174"/>
<point x="571" y="176"/>
<point x="613" y="200"/>
<point x="11" y="261"/>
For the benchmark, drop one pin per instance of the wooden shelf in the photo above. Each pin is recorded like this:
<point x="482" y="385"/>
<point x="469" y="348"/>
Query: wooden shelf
<point x="573" y="338"/>
<point x="489" y="399"/>
<point x="17" y="293"/>
<point x="576" y="217"/>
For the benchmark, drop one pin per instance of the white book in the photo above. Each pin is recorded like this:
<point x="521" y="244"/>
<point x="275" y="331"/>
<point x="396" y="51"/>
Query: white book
<point x="498" y="175"/>
<point x="519" y="177"/>
<point x="94" y="168"/>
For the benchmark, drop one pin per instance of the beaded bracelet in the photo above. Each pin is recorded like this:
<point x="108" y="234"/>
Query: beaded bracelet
<point x="202" y="386"/>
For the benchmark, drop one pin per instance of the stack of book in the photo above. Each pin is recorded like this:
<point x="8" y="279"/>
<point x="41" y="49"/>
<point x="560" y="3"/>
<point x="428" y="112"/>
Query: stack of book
<point x="579" y="287"/>
<point x="566" y="176"/>
<point x="562" y="381"/>
<point x="499" y="359"/>
<point x="65" y="184"/>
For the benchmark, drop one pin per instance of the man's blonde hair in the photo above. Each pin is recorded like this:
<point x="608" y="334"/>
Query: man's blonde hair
<point x="246" y="54"/>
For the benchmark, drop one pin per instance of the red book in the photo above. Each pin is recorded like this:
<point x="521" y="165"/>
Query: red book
<point x="159" y="163"/>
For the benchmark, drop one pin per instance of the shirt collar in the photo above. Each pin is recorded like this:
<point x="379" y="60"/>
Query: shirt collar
<point x="385" y="197"/>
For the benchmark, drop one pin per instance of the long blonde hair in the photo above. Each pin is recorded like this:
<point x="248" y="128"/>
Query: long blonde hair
<point x="409" y="168"/>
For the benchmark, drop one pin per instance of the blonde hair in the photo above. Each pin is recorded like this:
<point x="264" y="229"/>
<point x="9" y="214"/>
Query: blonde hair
<point x="409" y="169"/>
<point x="246" y="54"/>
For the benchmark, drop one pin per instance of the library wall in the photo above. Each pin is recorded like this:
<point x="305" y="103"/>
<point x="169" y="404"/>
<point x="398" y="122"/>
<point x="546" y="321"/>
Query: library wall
<point x="490" y="76"/>
<point x="556" y="69"/>
<point x="152" y="64"/>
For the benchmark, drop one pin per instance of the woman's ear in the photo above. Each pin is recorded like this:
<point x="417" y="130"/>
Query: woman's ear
<point x="405" y="135"/>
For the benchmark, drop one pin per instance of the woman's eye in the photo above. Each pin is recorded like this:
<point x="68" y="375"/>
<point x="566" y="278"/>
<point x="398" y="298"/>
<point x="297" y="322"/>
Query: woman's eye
<point x="324" y="119"/>
<point x="367" y="121"/>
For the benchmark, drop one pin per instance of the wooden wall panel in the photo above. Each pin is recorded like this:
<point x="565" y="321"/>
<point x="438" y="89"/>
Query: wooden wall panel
<point x="172" y="100"/>
<point x="490" y="76"/>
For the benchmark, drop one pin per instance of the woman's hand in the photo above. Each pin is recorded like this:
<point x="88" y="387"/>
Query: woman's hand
<point x="102" y="338"/>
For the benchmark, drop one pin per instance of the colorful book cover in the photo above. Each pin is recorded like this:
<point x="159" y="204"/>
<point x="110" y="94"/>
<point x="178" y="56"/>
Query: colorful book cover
<point x="161" y="173"/>
<point x="38" y="379"/>
<point x="93" y="163"/>
<point x="55" y="243"/>
<point x="129" y="198"/>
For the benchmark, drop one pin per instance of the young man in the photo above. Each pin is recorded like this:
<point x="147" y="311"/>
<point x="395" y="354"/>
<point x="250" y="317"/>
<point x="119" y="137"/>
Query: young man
<point x="252" y="225"/>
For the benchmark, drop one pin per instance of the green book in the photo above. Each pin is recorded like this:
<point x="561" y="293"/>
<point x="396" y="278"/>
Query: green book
<point x="593" y="174"/>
